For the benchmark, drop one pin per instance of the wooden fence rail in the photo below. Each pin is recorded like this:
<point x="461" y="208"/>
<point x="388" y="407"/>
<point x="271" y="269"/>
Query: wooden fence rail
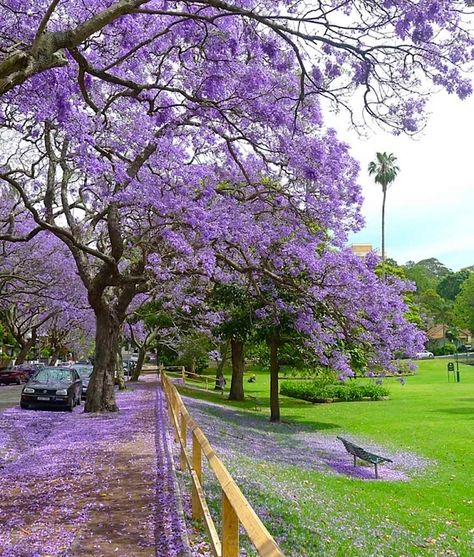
<point x="181" y="371"/>
<point x="235" y="509"/>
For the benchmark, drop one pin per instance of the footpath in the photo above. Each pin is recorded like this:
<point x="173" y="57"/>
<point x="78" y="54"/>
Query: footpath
<point x="90" y="485"/>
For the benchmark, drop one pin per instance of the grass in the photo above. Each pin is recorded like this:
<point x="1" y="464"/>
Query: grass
<point x="316" y="513"/>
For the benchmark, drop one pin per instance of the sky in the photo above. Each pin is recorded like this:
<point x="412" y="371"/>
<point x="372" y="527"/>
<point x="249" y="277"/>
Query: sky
<point x="430" y="206"/>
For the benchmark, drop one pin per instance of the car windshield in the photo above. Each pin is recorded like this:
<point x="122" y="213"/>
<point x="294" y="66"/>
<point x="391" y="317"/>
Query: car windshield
<point x="53" y="374"/>
<point x="84" y="371"/>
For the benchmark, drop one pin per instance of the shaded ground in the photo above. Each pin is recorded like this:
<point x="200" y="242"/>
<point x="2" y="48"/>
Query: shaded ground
<point x="237" y="433"/>
<point x="89" y="485"/>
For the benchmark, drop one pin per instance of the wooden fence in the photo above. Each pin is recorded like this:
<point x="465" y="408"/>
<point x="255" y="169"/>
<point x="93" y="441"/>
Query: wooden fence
<point x="235" y="509"/>
<point x="181" y="372"/>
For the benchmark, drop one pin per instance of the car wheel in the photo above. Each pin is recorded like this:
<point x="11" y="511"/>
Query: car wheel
<point x="18" y="381"/>
<point x="78" y="400"/>
<point x="70" y="406"/>
<point x="24" y="406"/>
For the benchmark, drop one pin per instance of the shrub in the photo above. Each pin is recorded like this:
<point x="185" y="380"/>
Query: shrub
<point x="450" y="348"/>
<point x="318" y="392"/>
<point x="446" y="348"/>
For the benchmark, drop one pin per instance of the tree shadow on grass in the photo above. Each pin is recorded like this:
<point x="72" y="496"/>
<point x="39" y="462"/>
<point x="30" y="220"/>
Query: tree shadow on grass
<point x="459" y="411"/>
<point x="235" y="433"/>
<point x="260" y="421"/>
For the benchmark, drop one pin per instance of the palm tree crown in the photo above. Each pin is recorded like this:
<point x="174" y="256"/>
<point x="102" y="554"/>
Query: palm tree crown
<point x="384" y="168"/>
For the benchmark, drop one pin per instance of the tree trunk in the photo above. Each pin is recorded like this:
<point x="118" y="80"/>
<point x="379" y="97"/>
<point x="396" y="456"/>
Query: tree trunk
<point x="274" y="369"/>
<point x="25" y="348"/>
<point x="237" y="384"/>
<point x="101" y="393"/>
<point x="54" y="358"/>
<point x="220" y="366"/>
<point x="139" y="364"/>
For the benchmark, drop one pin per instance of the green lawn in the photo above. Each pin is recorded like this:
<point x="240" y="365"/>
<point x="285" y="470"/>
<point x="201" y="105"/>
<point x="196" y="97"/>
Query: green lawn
<point x="317" y="513"/>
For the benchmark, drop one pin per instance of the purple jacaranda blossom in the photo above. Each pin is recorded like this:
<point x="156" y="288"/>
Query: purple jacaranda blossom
<point x="192" y="143"/>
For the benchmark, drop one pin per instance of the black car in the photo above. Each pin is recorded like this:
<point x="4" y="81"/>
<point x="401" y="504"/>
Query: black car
<point x="85" y="372"/>
<point x="53" y="387"/>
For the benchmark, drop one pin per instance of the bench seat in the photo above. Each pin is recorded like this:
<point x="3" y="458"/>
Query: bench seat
<point x="359" y="452"/>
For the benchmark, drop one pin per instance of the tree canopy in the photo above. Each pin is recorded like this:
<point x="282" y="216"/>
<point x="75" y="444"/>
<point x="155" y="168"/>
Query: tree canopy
<point x="165" y="140"/>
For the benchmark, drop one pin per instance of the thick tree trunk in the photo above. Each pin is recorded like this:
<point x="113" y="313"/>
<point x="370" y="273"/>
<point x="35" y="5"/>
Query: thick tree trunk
<point x="25" y="348"/>
<point x="101" y="393"/>
<point x="274" y="369"/>
<point x="139" y="365"/>
<point x="220" y="366"/>
<point x="237" y="383"/>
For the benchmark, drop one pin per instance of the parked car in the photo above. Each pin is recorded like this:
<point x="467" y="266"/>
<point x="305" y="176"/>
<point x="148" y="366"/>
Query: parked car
<point x="30" y="369"/>
<point x="85" y="372"/>
<point x="424" y="354"/>
<point x="9" y="375"/>
<point x="53" y="387"/>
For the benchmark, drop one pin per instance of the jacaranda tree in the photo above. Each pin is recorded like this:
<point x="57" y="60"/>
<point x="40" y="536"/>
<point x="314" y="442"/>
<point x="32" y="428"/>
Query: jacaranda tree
<point x="149" y="136"/>
<point x="41" y="295"/>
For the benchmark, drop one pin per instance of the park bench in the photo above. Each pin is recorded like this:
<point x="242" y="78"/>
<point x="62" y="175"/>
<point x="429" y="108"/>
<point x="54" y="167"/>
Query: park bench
<point x="359" y="452"/>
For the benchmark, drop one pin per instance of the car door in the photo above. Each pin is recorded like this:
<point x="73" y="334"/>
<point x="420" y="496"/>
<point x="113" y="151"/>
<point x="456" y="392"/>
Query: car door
<point x="78" y="384"/>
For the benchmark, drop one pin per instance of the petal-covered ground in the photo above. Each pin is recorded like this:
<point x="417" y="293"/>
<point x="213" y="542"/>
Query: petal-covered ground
<point x="237" y="433"/>
<point x="283" y="470"/>
<point x="81" y="484"/>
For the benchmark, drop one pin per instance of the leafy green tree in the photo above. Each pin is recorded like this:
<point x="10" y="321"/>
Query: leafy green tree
<point x="464" y="305"/>
<point x="411" y="299"/>
<point x="437" y="308"/>
<point x="237" y="328"/>
<point x="423" y="278"/>
<point x="385" y="170"/>
<point x="450" y="285"/>
<point x="153" y="320"/>
<point x="435" y="267"/>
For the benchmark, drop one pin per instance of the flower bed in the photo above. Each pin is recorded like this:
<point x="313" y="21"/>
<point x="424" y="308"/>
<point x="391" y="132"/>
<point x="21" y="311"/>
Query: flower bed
<point x="320" y="392"/>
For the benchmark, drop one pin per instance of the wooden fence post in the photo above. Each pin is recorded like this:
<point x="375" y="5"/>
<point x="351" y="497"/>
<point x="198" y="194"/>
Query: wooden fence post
<point x="184" y="432"/>
<point x="197" y="467"/>
<point x="183" y="375"/>
<point x="175" y="410"/>
<point x="230" y="529"/>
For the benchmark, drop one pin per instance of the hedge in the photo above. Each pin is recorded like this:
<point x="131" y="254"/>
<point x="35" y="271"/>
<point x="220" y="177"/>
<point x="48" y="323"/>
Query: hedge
<point x="317" y="392"/>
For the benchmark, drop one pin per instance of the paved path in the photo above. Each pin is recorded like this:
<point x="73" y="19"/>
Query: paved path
<point x="76" y="484"/>
<point x="9" y="396"/>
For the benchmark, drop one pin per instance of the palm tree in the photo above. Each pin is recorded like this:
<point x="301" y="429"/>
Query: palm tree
<point x="385" y="170"/>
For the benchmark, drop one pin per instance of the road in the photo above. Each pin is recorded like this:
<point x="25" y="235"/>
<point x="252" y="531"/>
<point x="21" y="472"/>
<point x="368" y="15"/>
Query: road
<point x="9" y="396"/>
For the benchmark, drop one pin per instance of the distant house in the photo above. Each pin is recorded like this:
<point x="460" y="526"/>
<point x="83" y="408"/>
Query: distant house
<point x="437" y="335"/>
<point x="362" y="249"/>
